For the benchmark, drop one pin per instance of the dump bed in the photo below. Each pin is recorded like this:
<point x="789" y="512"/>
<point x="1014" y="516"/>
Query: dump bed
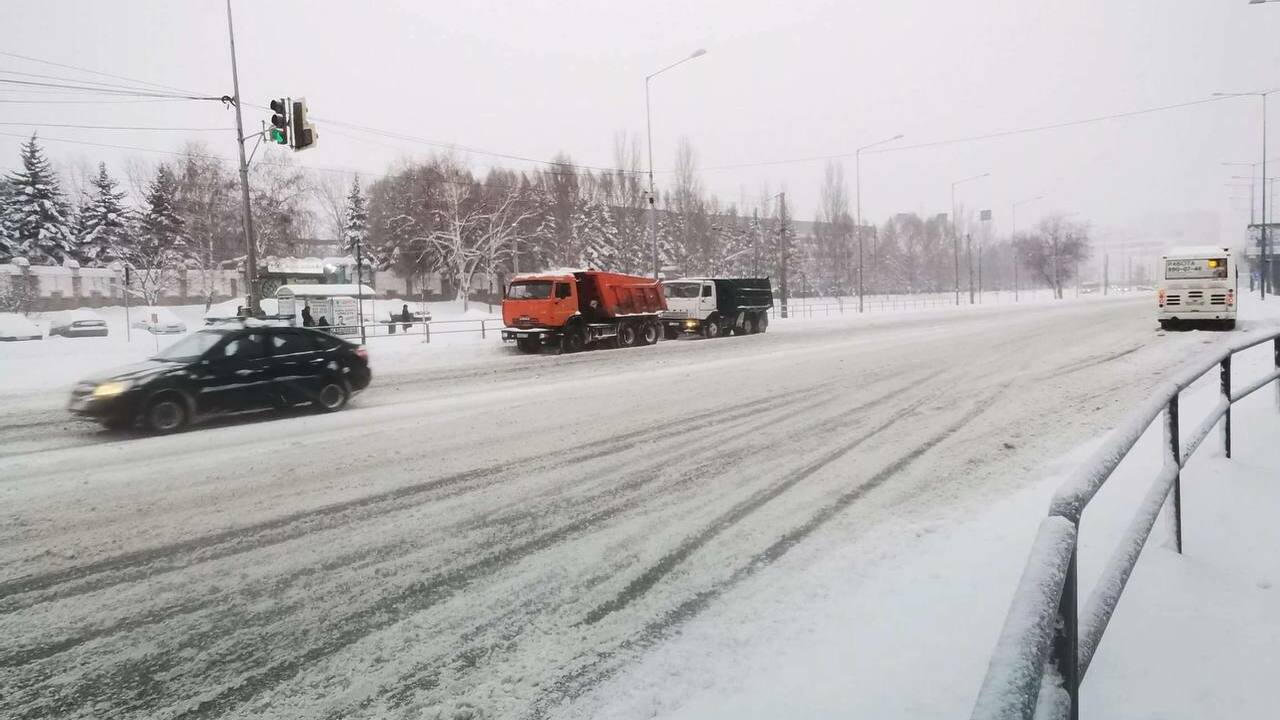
<point x="733" y="295"/>
<point x="605" y="296"/>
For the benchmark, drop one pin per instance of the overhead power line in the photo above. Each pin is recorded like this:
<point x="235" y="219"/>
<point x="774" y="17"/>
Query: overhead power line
<point x="119" y="127"/>
<point x="99" y="73"/>
<point x="971" y="138"/>
<point x="106" y="91"/>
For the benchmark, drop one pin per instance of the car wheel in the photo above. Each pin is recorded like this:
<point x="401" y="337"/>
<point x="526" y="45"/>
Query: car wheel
<point x="166" y="413"/>
<point x="574" y="339"/>
<point x="333" y="395"/>
<point x="649" y="333"/>
<point x="628" y="335"/>
<point x="711" y="328"/>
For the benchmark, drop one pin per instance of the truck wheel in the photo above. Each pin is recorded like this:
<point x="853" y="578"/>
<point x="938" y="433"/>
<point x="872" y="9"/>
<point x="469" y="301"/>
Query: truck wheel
<point x="670" y="333"/>
<point x="573" y="340"/>
<point x="711" y="327"/>
<point x="762" y="322"/>
<point x="649" y="333"/>
<point x="748" y="324"/>
<point x="628" y="335"/>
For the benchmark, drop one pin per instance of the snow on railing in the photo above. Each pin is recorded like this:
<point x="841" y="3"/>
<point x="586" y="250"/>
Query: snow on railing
<point x="1042" y="653"/>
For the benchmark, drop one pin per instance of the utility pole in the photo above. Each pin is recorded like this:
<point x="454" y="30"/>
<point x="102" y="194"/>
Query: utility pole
<point x="360" y="291"/>
<point x="968" y="244"/>
<point x="755" y="240"/>
<point x="251" y="246"/>
<point x="782" y="244"/>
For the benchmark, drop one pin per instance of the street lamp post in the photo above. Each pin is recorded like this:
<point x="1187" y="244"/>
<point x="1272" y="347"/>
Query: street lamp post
<point x="1013" y="237"/>
<point x="955" y="240"/>
<point x="857" y="185"/>
<point x="1264" y="260"/>
<point x="648" y="117"/>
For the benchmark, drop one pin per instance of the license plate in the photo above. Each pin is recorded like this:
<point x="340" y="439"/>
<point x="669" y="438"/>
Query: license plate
<point x="522" y="335"/>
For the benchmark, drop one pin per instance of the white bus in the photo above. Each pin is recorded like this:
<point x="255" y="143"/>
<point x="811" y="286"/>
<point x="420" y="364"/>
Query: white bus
<point x="1198" y="284"/>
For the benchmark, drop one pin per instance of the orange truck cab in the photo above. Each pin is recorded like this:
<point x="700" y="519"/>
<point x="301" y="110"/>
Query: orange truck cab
<point x="579" y="309"/>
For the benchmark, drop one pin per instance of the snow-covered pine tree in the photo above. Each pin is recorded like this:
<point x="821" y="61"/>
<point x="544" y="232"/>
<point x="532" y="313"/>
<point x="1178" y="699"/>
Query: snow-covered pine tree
<point x="161" y="248"/>
<point x="103" y="223"/>
<point x="8" y="246"/>
<point x="355" y="229"/>
<point x="37" y="214"/>
<point x="599" y="237"/>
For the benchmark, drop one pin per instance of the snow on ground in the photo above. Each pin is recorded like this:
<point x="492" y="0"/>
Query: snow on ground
<point x="834" y="513"/>
<point x="903" y="625"/>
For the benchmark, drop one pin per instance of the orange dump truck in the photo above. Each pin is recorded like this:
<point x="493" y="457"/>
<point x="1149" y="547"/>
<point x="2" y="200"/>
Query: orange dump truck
<point x="575" y="310"/>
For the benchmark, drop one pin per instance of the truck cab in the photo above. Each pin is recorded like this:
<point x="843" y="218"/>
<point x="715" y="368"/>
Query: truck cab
<point x="716" y="306"/>
<point x="1197" y="284"/>
<point x="539" y="302"/>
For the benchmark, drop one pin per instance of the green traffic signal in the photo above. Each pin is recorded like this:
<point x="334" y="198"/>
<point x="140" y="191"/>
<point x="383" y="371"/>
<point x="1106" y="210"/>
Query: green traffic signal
<point x="278" y="136"/>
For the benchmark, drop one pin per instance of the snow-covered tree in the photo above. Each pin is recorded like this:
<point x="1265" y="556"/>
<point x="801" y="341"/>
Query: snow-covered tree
<point x="597" y="235"/>
<point x="161" y="248"/>
<point x="8" y="244"/>
<point x="355" y="227"/>
<point x="36" y="214"/>
<point x="103" y="223"/>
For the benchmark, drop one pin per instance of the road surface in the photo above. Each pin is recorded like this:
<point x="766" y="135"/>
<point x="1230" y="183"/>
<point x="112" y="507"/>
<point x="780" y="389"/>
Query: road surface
<point x="495" y="539"/>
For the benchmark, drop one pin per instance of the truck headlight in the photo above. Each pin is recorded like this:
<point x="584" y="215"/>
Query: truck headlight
<point x="111" y="389"/>
<point x="690" y="323"/>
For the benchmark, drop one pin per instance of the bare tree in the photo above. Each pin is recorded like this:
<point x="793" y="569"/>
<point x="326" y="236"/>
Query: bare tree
<point x="1053" y="249"/>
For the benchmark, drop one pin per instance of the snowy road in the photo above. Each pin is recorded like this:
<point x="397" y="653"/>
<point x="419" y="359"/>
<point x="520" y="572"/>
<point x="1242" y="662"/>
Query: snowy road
<point x="499" y="537"/>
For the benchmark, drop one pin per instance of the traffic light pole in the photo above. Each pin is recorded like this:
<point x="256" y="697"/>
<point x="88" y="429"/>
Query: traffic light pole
<point x="251" y="249"/>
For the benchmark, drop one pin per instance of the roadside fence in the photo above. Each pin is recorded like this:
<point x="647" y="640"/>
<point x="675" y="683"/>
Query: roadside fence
<point x="1047" y="643"/>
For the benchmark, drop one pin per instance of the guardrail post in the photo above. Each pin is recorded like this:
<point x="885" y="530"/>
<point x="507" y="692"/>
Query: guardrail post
<point x="426" y="332"/>
<point x="1277" y="355"/>
<point x="1065" y="652"/>
<point x="1225" y="376"/>
<point x="1175" y="454"/>
<point x="481" y="329"/>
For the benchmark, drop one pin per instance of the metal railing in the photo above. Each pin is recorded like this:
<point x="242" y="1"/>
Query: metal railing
<point x="415" y="328"/>
<point x="1046" y="644"/>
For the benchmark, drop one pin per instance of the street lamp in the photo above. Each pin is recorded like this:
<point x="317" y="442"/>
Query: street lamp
<point x="857" y="184"/>
<point x="955" y="240"/>
<point x="648" y="117"/>
<point x="1013" y="236"/>
<point x="1264" y="261"/>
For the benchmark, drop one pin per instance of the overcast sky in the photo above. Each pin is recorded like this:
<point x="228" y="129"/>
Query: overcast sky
<point x="780" y="81"/>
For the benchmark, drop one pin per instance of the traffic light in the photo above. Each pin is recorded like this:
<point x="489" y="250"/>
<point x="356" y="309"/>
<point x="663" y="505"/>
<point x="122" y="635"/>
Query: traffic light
<point x="304" y="133"/>
<point x="279" y="131"/>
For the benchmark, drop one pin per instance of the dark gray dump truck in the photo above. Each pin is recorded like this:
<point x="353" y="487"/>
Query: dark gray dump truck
<point x="716" y="306"/>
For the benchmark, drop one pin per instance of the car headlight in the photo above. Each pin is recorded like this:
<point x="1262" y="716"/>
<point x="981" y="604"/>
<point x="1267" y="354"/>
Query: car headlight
<point x="111" y="389"/>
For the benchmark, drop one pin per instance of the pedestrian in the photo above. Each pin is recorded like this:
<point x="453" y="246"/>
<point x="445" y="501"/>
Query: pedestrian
<point x="322" y="322"/>
<point x="405" y="317"/>
<point x="239" y="311"/>
<point x="307" y="320"/>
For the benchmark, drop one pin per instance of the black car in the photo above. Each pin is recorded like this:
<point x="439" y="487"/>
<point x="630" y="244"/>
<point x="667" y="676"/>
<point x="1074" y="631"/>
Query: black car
<point x="226" y="369"/>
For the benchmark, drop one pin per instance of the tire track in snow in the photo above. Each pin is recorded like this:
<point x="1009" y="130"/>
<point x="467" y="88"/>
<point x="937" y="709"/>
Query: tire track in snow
<point x="425" y="675"/>
<point x="388" y="609"/>
<point x="607" y="662"/>
<point x="174" y="556"/>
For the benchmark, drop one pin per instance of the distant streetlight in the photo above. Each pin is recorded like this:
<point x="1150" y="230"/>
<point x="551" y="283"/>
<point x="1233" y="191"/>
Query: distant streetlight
<point x="955" y="240"/>
<point x="653" y="208"/>
<point x="857" y="184"/>
<point x="1265" y="263"/>
<point x="1013" y="235"/>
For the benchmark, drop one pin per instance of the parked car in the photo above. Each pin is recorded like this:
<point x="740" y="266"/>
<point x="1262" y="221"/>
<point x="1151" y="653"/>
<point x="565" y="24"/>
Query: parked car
<point x="15" y="327"/>
<point x="232" y="368"/>
<point x="159" y="321"/>
<point x="80" y="323"/>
